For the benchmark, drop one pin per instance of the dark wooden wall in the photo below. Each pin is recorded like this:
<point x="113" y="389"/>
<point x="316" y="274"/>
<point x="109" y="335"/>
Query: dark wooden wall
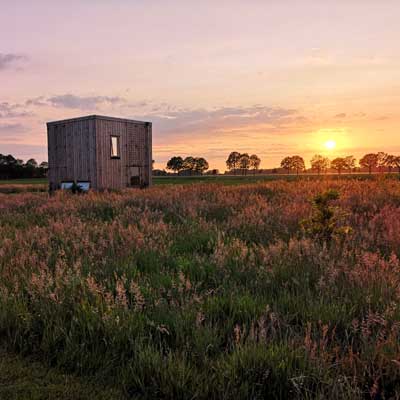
<point x="80" y="150"/>
<point x="72" y="151"/>
<point x="135" y="152"/>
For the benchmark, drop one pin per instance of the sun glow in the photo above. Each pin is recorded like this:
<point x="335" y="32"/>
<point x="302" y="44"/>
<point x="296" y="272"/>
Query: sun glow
<point x="330" y="144"/>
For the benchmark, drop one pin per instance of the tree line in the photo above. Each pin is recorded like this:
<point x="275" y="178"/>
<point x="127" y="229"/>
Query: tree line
<point x="14" y="168"/>
<point x="321" y="164"/>
<point x="198" y="165"/>
<point x="243" y="162"/>
<point x="192" y="165"/>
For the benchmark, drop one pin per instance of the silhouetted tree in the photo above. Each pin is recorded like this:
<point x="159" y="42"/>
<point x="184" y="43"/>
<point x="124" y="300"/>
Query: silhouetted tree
<point x="255" y="162"/>
<point x="244" y="162"/>
<point x="339" y="164"/>
<point x="369" y="161"/>
<point x="295" y="163"/>
<point x="13" y="168"/>
<point x="391" y="162"/>
<point x="319" y="163"/>
<point x="233" y="161"/>
<point x="298" y="164"/>
<point x="397" y="163"/>
<point x="381" y="160"/>
<point x="287" y="164"/>
<point x="200" y="164"/>
<point x="194" y="164"/>
<point x="31" y="163"/>
<point x="350" y="163"/>
<point x="175" y="164"/>
<point x="189" y="164"/>
<point x="7" y="160"/>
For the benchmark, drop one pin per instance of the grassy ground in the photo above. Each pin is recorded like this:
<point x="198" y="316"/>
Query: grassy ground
<point x="207" y="291"/>
<point x="34" y="181"/>
<point x="27" y="379"/>
<point x="221" y="179"/>
<point x="250" y="178"/>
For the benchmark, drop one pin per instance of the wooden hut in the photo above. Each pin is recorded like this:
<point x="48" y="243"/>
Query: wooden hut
<point x="99" y="152"/>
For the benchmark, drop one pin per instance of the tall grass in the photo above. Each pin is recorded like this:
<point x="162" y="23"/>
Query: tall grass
<point x="207" y="291"/>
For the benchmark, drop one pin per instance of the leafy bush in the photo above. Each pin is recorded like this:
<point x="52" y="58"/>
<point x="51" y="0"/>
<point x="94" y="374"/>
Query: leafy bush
<point x="326" y="221"/>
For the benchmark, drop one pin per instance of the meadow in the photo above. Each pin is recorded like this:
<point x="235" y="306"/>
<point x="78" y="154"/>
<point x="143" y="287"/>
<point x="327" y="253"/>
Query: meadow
<point x="208" y="291"/>
<point x="41" y="184"/>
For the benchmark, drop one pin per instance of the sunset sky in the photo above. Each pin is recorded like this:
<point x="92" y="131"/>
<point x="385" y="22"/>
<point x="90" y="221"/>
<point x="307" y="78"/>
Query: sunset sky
<point x="269" y="77"/>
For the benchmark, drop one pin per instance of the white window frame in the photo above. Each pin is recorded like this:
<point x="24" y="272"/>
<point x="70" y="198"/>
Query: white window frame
<point x="115" y="146"/>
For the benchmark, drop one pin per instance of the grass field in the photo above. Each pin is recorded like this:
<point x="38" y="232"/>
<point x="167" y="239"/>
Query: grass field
<point x="244" y="179"/>
<point x="26" y="378"/>
<point x="41" y="183"/>
<point x="203" y="292"/>
<point x="34" y="181"/>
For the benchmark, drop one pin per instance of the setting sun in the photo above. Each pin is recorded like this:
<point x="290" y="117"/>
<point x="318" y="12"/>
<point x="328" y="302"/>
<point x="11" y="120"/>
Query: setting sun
<point x="330" y="144"/>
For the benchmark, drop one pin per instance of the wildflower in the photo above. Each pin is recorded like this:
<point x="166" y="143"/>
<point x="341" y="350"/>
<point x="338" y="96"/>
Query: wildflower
<point x="163" y="329"/>
<point x="121" y="299"/>
<point x="200" y="317"/>
<point x="237" y="333"/>
<point x="134" y="289"/>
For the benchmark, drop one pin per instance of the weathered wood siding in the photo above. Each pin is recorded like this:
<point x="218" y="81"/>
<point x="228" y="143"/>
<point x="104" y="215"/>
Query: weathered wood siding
<point x="110" y="171"/>
<point x="138" y="150"/>
<point x="80" y="150"/>
<point x="135" y="152"/>
<point x="71" y="151"/>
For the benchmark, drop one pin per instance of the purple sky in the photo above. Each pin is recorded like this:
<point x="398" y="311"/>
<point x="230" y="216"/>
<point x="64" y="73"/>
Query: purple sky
<point x="266" y="77"/>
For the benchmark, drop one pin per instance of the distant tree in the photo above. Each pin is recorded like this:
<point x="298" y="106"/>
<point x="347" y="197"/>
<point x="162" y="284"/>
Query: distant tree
<point x="255" y="162"/>
<point x="350" y="163"/>
<point x="381" y="162"/>
<point x="8" y="160"/>
<point x="287" y="164"/>
<point x="397" y="163"/>
<point x="13" y="168"/>
<point x="369" y="161"/>
<point x="233" y="161"/>
<point x="244" y="162"/>
<point x="44" y="164"/>
<point x="175" y="164"/>
<point x="339" y="164"/>
<point x="319" y="163"/>
<point x="298" y="164"/>
<point x="200" y="164"/>
<point x="31" y="163"/>
<point x="189" y="164"/>
<point x="390" y="162"/>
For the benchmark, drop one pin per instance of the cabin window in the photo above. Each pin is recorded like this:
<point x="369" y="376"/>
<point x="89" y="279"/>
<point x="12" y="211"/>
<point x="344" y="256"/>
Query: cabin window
<point x="115" y="147"/>
<point x="85" y="186"/>
<point x="66" y="185"/>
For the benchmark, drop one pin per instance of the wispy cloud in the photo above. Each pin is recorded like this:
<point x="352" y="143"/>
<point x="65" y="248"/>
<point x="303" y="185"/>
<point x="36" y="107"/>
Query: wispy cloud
<point x="80" y="102"/>
<point x="8" y="110"/>
<point x="192" y="121"/>
<point x="12" y="128"/>
<point x="36" y="101"/>
<point x="10" y="60"/>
